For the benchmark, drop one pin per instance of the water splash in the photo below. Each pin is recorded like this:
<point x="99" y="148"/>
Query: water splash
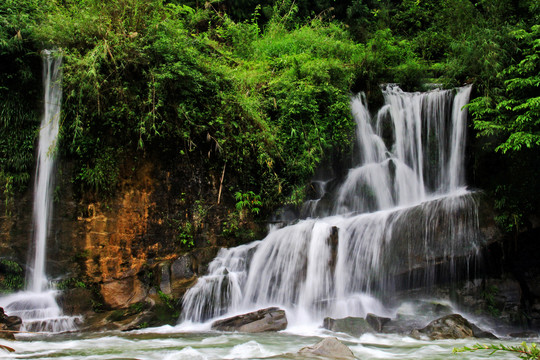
<point x="39" y="311"/>
<point x="400" y="219"/>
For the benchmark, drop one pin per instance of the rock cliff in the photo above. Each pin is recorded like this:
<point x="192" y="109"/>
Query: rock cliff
<point x="155" y="234"/>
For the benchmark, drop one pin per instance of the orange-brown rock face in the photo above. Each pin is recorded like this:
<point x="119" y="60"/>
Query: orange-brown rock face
<point x="123" y="292"/>
<point x="158" y="230"/>
<point x="112" y="241"/>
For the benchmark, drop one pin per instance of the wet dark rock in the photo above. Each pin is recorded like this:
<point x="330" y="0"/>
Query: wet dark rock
<point x="76" y="301"/>
<point x="13" y="323"/>
<point x="330" y="348"/>
<point x="269" y="319"/>
<point x="181" y="268"/>
<point x="202" y="257"/>
<point x="8" y="325"/>
<point x="377" y="322"/>
<point x="448" y="327"/>
<point x="499" y="298"/>
<point x="165" y="278"/>
<point x="353" y="326"/>
<point x="181" y="276"/>
<point x="452" y="326"/>
<point x="482" y="334"/>
<point x="524" y="334"/>
<point x="333" y="242"/>
<point x="136" y="316"/>
<point x="402" y="325"/>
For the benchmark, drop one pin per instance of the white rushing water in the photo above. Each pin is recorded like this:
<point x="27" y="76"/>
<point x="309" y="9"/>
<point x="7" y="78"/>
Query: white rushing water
<point x="37" y="306"/>
<point x="46" y="158"/>
<point x="401" y="210"/>
<point x="160" y="344"/>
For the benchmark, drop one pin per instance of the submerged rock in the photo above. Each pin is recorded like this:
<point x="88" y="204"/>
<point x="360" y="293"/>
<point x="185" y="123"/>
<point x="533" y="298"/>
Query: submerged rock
<point x="452" y="326"/>
<point x="353" y="326"/>
<point x="329" y="347"/>
<point x="269" y="319"/>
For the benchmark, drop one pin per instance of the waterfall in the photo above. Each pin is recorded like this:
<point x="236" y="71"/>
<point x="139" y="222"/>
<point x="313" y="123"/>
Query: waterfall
<point x="52" y="78"/>
<point x="37" y="305"/>
<point x="401" y="219"/>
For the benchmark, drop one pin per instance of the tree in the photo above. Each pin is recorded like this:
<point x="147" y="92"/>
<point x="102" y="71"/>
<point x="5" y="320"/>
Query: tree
<point x="513" y="116"/>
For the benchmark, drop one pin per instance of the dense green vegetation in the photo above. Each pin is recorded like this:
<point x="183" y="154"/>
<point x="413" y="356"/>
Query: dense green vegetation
<point x="262" y="87"/>
<point x="11" y="276"/>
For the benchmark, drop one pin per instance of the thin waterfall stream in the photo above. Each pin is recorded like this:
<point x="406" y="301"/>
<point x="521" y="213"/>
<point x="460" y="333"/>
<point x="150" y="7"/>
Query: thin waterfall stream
<point x="401" y="219"/>
<point x="37" y="306"/>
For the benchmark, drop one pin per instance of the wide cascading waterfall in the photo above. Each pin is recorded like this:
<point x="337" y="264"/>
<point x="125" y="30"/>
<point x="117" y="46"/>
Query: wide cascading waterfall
<point x="37" y="305"/>
<point x="401" y="219"/>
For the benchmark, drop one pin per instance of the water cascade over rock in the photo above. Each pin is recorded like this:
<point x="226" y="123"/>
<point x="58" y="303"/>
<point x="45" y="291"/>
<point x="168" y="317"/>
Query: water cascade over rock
<point x="401" y="219"/>
<point x="37" y="306"/>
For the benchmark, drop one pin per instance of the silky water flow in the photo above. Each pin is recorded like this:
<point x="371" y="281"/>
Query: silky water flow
<point x="386" y="228"/>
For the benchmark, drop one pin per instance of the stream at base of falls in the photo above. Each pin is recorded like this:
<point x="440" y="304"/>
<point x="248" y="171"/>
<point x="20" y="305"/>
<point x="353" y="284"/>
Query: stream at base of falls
<point x="177" y="343"/>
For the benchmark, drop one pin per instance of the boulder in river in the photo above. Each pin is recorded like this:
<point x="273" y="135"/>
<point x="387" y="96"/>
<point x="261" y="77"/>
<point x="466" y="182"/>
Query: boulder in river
<point x="8" y="325"/>
<point x="377" y="322"/>
<point x="354" y="326"/>
<point x="269" y="319"/>
<point x="452" y="326"/>
<point x="329" y="347"/>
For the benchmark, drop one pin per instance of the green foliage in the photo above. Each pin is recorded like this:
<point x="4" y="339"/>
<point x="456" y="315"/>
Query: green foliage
<point x="263" y="87"/>
<point x="97" y="306"/>
<point x="170" y="303"/>
<point x="513" y="113"/>
<point x="19" y="90"/>
<point x="71" y="283"/>
<point x="136" y="308"/>
<point x="232" y="226"/>
<point x="523" y="351"/>
<point x="11" y="276"/>
<point x="489" y="294"/>
<point x="506" y="116"/>
<point x="185" y="234"/>
<point x="248" y="201"/>
<point x="143" y="325"/>
<point x="272" y="101"/>
<point x="171" y="78"/>
<point x="116" y="315"/>
<point x="389" y="59"/>
<point x="101" y="173"/>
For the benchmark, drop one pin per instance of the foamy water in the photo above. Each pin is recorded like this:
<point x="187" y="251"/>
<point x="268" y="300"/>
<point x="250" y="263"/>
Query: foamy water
<point x="158" y="344"/>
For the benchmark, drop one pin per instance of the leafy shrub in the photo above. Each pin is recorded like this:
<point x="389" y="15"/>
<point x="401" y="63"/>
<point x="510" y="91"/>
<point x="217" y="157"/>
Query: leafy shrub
<point x="11" y="276"/>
